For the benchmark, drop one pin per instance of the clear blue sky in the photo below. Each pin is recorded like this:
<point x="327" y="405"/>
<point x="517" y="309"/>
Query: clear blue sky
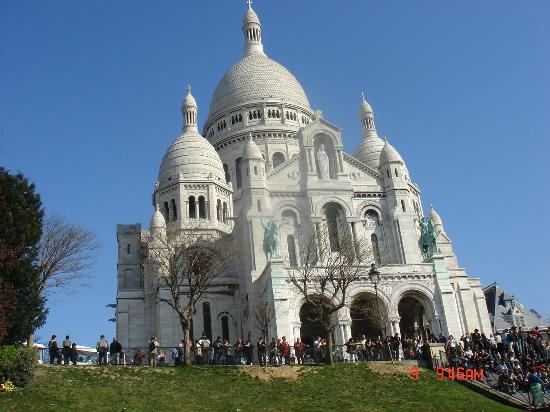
<point x="90" y="93"/>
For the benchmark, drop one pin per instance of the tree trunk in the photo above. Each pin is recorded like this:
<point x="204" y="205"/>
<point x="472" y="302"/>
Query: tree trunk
<point x="187" y="349"/>
<point x="330" y="357"/>
<point x="30" y="341"/>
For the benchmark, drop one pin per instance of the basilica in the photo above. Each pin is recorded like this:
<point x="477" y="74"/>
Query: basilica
<point x="265" y="157"/>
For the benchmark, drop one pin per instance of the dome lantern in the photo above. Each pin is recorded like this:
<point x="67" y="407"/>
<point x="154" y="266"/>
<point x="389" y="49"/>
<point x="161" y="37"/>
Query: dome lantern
<point x="189" y="111"/>
<point x="366" y="115"/>
<point x="252" y="31"/>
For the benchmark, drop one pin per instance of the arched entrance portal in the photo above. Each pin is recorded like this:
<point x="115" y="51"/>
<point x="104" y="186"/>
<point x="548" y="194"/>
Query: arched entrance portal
<point x="412" y="312"/>
<point x="310" y="328"/>
<point x="367" y="316"/>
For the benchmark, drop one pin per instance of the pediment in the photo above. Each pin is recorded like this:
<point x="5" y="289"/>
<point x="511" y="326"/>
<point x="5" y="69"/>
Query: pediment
<point x="354" y="165"/>
<point x="287" y="170"/>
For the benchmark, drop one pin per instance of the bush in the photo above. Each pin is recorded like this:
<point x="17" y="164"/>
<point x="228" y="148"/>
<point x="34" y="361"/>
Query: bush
<point x="16" y="365"/>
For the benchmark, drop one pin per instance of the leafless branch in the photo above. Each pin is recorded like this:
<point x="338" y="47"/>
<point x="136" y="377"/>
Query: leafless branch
<point x="66" y="256"/>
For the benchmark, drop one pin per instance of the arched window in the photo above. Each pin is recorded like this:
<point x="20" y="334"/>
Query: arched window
<point x="226" y="172"/>
<point x="371" y="219"/>
<point x="396" y="174"/>
<point x="128" y="248"/>
<point x="238" y="172"/>
<point x="278" y="159"/>
<point x="403" y="206"/>
<point x="225" y="328"/>
<point x="219" y="210"/>
<point x="224" y="212"/>
<point x="291" y="246"/>
<point x="202" y="207"/>
<point x="165" y="211"/>
<point x="388" y="173"/>
<point x="259" y="205"/>
<point x="192" y="207"/>
<point x="335" y="218"/>
<point x="174" y="210"/>
<point x="375" y="248"/>
<point x="207" y="320"/>
<point x="255" y="170"/>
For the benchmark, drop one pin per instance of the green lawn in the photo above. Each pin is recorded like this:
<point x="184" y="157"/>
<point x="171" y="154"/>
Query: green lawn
<point x="346" y="387"/>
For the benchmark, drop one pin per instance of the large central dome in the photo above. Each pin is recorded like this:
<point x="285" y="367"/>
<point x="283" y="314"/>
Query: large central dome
<point x="256" y="78"/>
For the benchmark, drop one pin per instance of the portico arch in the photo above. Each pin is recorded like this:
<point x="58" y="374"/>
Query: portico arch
<point x="415" y="310"/>
<point x="368" y="315"/>
<point x="310" y="326"/>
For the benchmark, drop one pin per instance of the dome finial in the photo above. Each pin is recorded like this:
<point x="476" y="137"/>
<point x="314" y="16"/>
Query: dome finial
<point x="252" y="30"/>
<point x="189" y="110"/>
<point x="363" y="96"/>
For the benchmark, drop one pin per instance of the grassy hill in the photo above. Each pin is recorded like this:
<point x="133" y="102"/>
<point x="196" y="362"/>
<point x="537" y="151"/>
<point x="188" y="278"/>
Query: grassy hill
<point x="347" y="387"/>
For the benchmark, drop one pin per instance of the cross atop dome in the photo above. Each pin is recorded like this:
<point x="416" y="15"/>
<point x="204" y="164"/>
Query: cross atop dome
<point x="249" y="2"/>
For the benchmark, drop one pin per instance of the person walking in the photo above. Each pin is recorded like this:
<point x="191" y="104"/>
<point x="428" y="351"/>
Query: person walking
<point x="102" y="348"/>
<point x="53" y="350"/>
<point x="66" y="351"/>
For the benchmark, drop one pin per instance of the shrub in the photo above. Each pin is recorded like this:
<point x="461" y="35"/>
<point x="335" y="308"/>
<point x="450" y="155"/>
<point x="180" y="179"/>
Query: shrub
<point x="16" y="365"/>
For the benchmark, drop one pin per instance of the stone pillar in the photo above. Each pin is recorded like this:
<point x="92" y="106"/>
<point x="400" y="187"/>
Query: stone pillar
<point x="450" y="321"/>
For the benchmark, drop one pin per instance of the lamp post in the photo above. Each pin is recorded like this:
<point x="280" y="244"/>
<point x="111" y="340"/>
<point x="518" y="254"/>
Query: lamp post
<point x="374" y="277"/>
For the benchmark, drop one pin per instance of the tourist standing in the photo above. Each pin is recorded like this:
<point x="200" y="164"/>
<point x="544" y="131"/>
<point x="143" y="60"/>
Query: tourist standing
<point x="53" y="350"/>
<point x="102" y="347"/>
<point x="238" y="351"/>
<point x="66" y="350"/>
<point x="285" y="350"/>
<point x="115" y="350"/>
<point x="153" y="345"/>
<point x="261" y="348"/>
<point x="273" y="352"/>
<point x="218" y="350"/>
<point x="73" y="354"/>
<point x="299" y="351"/>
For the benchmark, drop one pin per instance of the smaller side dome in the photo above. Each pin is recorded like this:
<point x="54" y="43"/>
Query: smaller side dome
<point x="251" y="150"/>
<point x="157" y="221"/>
<point x="389" y="154"/>
<point x="369" y="150"/>
<point x="434" y="217"/>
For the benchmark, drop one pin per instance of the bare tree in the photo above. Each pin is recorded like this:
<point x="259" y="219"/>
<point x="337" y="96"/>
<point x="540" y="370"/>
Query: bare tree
<point x="264" y="316"/>
<point x="66" y="255"/>
<point x="328" y="267"/>
<point x="188" y="264"/>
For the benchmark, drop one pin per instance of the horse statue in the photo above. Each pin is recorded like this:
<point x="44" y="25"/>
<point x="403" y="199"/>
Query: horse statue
<point x="428" y="242"/>
<point x="271" y="240"/>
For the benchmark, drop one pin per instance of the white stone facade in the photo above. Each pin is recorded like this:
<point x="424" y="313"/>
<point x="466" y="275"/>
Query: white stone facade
<point x="258" y="160"/>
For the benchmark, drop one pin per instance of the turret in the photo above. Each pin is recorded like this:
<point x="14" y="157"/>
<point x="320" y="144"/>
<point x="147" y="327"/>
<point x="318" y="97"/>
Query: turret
<point x="253" y="170"/>
<point x="157" y="228"/>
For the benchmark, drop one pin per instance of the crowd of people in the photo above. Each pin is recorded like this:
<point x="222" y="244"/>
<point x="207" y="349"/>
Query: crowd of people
<point x="518" y="360"/>
<point x="244" y="352"/>
<point x="67" y="352"/>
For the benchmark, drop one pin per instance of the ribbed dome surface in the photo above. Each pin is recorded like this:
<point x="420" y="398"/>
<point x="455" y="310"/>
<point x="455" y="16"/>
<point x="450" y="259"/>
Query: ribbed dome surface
<point x="193" y="156"/>
<point x="256" y="78"/>
<point x="369" y="150"/>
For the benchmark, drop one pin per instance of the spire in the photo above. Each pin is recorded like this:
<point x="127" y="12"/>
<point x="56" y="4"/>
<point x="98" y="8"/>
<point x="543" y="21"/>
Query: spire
<point x="366" y="115"/>
<point x="252" y="31"/>
<point x="189" y="110"/>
